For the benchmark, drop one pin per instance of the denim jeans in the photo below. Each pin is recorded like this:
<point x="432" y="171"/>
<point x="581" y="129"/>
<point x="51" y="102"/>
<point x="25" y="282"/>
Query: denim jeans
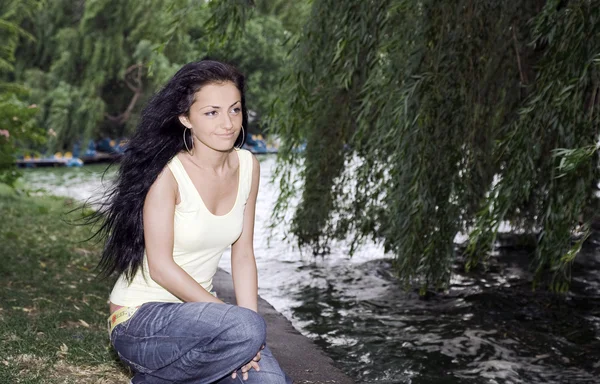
<point x="195" y="343"/>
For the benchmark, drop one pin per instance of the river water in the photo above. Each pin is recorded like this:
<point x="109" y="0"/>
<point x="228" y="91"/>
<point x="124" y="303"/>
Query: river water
<point x="488" y="328"/>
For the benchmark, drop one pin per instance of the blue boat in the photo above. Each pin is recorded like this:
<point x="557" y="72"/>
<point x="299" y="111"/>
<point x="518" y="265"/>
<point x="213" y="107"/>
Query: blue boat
<point x="257" y="145"/>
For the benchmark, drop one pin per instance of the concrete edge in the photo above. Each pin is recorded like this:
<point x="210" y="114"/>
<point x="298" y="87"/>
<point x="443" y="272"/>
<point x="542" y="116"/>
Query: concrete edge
<point x="298" y="356"/>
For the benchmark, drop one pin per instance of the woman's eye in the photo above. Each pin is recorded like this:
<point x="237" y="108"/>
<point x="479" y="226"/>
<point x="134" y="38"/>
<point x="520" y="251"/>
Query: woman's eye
<point x="211" y="113"/>
<point x="236" y="110"/>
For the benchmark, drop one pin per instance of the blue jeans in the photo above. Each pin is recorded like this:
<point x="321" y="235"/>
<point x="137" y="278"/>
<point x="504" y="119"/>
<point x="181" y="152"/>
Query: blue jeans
<point x="195" y="343"/>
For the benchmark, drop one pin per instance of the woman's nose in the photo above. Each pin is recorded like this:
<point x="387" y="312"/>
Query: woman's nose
<point x="228" y="123"/>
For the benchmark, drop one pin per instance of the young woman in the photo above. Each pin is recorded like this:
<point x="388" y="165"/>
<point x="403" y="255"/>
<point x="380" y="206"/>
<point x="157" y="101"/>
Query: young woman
<point x="183" y="194"/>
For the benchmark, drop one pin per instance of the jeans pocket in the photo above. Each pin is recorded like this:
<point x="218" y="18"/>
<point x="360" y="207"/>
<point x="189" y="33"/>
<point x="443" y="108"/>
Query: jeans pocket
<point x="118" y="333"/>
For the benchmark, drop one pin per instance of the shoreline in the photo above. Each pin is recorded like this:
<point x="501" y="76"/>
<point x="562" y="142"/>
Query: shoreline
<point x="298" y="356"/>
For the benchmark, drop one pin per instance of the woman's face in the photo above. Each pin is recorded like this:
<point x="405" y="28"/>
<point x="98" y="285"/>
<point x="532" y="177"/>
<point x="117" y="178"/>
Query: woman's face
<point x="215" y="117"/>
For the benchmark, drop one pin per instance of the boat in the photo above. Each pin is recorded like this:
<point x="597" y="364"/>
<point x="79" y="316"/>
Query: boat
<point x="59" y="159"/>
<point x="258" y="145"/>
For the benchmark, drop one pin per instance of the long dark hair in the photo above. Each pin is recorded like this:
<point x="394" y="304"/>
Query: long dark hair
<point x="157" y="139"/>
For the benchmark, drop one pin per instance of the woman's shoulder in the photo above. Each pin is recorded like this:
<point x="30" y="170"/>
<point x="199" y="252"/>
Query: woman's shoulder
<point x="244" y="154"/>
<point x="165" y="184"/>
<point x="167" y="174"/>
<point x="174" y="167"/>
<point x="249" y="160"/>
<point x="174" y="161"/>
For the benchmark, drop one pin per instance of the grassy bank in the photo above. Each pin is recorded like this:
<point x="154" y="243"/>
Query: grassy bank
<point x="52" y="308"/>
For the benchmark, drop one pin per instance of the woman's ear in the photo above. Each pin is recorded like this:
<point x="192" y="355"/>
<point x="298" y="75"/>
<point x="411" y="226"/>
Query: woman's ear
<point x="183" y="119"/>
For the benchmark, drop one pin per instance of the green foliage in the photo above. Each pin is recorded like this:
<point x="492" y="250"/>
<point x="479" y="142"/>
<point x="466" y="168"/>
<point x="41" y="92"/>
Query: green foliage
<point x="17" y="127"/>
<point x="17" y="118"/>
<point x="257" y="41"/>
<point x="536" y="192"/>
<point x="425" y="119"/>
<point x="291" y="14"/>
<point x="93" y="64"/>
<point x="263" y="70"/>
<point x="88" y="65"/>
<point x="12" y="12"/>
<point x="420" y="119"/>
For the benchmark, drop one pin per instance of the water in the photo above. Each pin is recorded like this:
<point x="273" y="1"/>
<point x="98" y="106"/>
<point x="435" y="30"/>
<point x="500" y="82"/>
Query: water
<point x="489" y="328"/>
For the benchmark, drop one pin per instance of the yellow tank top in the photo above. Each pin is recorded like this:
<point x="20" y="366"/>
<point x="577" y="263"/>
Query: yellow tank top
<point x="200" y="238"/>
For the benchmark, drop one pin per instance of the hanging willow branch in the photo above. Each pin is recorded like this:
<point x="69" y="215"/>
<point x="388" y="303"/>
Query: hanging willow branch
<point x="425" y="119"/>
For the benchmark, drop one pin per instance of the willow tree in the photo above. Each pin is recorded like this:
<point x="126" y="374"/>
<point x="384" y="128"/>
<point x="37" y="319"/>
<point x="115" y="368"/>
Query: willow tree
<point x="423" y="119"/>
<point x="93" y="63"/>
<point x="88" y="65"/>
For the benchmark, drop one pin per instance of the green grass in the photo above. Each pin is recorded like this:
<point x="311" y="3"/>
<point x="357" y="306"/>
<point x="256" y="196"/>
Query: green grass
<point x="53" y="309"/>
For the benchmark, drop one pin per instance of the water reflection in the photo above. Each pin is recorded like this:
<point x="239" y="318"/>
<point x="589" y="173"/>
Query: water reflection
<point x="481" y="331"/>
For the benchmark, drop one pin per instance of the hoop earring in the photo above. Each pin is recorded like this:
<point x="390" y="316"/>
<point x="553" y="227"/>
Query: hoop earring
<point x="243" y="138"/>
<point x="185" y="141"/>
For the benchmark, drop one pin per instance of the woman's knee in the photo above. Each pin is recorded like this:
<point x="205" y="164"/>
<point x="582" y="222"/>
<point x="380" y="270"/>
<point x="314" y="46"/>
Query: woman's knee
<point x="247" y="325"/>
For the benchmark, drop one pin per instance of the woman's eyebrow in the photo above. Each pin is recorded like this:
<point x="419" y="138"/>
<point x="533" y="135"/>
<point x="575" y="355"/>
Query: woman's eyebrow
<point x="217" y="107"/>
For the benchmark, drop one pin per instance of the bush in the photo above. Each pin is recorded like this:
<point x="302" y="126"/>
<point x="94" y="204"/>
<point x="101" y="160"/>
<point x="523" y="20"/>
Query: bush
<point x="18" y="131"/>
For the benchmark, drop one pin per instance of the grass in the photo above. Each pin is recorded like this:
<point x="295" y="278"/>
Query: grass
<point x="53" y="309"/>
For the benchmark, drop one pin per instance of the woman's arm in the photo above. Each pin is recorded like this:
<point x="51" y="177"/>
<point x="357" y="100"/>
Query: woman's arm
<point x="159" y="210"/>
<point x="243" y="264"/>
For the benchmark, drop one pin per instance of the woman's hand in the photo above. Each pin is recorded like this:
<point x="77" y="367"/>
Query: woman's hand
<point x="252" y="364"/>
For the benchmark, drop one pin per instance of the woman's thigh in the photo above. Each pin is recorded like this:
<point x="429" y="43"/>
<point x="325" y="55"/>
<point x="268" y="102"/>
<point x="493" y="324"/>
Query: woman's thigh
<point x="188" y="342"/>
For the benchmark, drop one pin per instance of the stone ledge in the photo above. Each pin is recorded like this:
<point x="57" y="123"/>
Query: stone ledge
<point x="299" y="357"/>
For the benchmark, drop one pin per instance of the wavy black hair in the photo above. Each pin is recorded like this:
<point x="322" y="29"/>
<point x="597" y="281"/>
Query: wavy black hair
<point x="158" y="138"/>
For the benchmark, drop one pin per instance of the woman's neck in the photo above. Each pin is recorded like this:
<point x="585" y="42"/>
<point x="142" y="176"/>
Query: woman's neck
<point x="209" y="159"/>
